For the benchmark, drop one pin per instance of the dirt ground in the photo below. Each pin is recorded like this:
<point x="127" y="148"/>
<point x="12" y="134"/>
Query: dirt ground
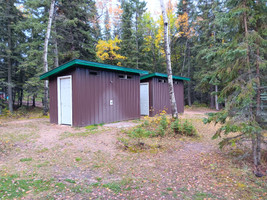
<point x="91" y="165"/>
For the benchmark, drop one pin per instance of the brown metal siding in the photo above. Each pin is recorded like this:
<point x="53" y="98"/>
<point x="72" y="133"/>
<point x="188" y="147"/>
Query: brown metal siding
<point x="53" y="111"/>
<point x="159" y="96"/>
<point x="53" y="103"/>
<point x="92" y="95"/>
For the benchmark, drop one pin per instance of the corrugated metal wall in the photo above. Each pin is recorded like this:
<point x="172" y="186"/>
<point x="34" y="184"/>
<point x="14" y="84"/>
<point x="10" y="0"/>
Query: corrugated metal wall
<point x="159" y="96"/>
<point x="92" y="95"/>
<point x="53" y="111"/>
<point x="53" y="104"/>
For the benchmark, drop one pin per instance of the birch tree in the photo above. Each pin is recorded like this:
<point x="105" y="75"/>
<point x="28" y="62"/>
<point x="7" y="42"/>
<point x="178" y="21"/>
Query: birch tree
<point x="168" y="61"/>
<point x="47" y="36"/>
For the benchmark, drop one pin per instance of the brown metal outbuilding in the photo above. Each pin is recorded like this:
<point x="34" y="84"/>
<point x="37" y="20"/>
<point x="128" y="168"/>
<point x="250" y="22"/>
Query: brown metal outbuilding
<point x="92" y="93"/>
<point x="157" y="91"/>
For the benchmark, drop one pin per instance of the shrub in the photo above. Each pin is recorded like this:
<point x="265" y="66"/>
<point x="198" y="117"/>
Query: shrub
<point x="188" y="129"/>
<point x="176" y="127"/>
<point x="157" y="126"/>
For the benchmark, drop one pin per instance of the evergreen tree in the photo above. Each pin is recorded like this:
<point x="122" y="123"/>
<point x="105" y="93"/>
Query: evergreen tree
<point x="243" y="45"/>
<point x="107" y="34"/>
<point x="10" y="38"/>
<point x="127" y="44"/>
<point x="74" y="29"/>
<point x="139" y="8"/>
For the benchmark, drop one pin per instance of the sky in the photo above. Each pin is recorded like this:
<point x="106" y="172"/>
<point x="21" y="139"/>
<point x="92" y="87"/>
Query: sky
<point x="153" y="6"/>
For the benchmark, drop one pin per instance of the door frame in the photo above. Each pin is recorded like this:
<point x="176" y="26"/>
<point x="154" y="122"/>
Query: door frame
<point x="145" y="83"/>
<point x="59" y="97"/>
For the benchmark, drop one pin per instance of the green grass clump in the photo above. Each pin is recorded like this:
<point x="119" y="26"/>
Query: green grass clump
<point x="12" y="187"/>
<point x="114" y="186"/>
<point x="78" y="159"/>
<point x="70" y="180"/>
<point x="25" y="159"/>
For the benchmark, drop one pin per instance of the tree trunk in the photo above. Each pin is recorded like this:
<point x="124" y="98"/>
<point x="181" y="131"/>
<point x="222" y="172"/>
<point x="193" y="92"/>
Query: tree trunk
<point x="33" y="100"/>
<point x="168" y="61"/>
<point x="189" y="82"/>
<point x="9" y="62"/>
<point x="51" y="12"/>
<point x="256" y="149"/>
<point x="55" y="51"/>
<point x="212" y="101"/>
<point x="216" y="98"/>
<point x="136" y="39"/>
<point x="256" y="136"/>
<point x="28" y="101"/>
<point x="184" y="57"/>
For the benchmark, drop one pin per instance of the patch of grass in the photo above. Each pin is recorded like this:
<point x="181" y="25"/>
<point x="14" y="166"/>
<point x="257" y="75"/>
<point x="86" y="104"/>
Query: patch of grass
<point x="169" y="189"/>
<point x="70" y="180"/>
<point x="44" y="164"/>
<point x="202" y="195"/>
<point x="22" y="113"/>
<point x="42" y="150"/>
<point x="95" y="184"/>
<point x="164" y="193"/>
<point x="60" y="186"/>
<point x="25" y="159"/>
<point x="114" y="186"/>
<point x="12" y="187"/>
<point x="78" y="159"/>
<point x="86" y="133"/>
<point x="98" y="179"/>
<point x="183" y="189"/>
<point x="91" y="127"/>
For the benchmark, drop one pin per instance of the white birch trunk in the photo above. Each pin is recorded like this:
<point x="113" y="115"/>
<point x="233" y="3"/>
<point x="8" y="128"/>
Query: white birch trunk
<point x="47" y="36"/>
<point x="168" y="61"/>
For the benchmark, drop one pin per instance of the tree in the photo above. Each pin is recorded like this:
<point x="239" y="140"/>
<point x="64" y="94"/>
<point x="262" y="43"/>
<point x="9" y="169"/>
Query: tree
<point x="11" y="37"/>
<point x="128" y="44"/>
<point x="237" y="67"/>
<point x="47" y="36"/>
<point x="107" y="27"/>
<point x="168" y="61"/>
<point x="76" y="37"/>
<point x="107" y="51"/>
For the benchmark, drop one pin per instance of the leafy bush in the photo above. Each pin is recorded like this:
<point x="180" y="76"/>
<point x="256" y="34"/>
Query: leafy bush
<point x="158" y="126"/>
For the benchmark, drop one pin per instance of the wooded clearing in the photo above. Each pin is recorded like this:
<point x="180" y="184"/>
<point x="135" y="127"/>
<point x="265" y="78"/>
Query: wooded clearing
<point x="42" y="160"/>
<point x="219" y="45"/>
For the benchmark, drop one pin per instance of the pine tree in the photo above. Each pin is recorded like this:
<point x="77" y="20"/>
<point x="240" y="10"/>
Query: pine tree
<point x="128" y="43"/>
<point x="10" y="36"/>
<point x="74" y="27"/>
<point x="107" y="34"/>
<point x="237" y="67"/>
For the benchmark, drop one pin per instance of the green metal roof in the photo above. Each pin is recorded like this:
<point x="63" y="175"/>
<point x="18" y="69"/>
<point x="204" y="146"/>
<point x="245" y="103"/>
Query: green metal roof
<point x="163" y="76"/>
<point x="89" y="64"/>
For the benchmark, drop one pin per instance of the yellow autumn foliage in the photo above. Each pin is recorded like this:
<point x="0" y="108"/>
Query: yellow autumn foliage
<point x="106" y="50"/>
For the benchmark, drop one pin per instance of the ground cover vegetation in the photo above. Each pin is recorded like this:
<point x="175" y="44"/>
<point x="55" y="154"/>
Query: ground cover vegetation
<point x="220" y="45"/>
<point x="39" y="163"/>
<point x="148" y="134"/>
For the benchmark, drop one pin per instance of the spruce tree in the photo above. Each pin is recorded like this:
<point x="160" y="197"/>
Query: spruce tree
<point x="128" y="43"/>
<point x="74" y="29"/>
<point x="243" y="45"/>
